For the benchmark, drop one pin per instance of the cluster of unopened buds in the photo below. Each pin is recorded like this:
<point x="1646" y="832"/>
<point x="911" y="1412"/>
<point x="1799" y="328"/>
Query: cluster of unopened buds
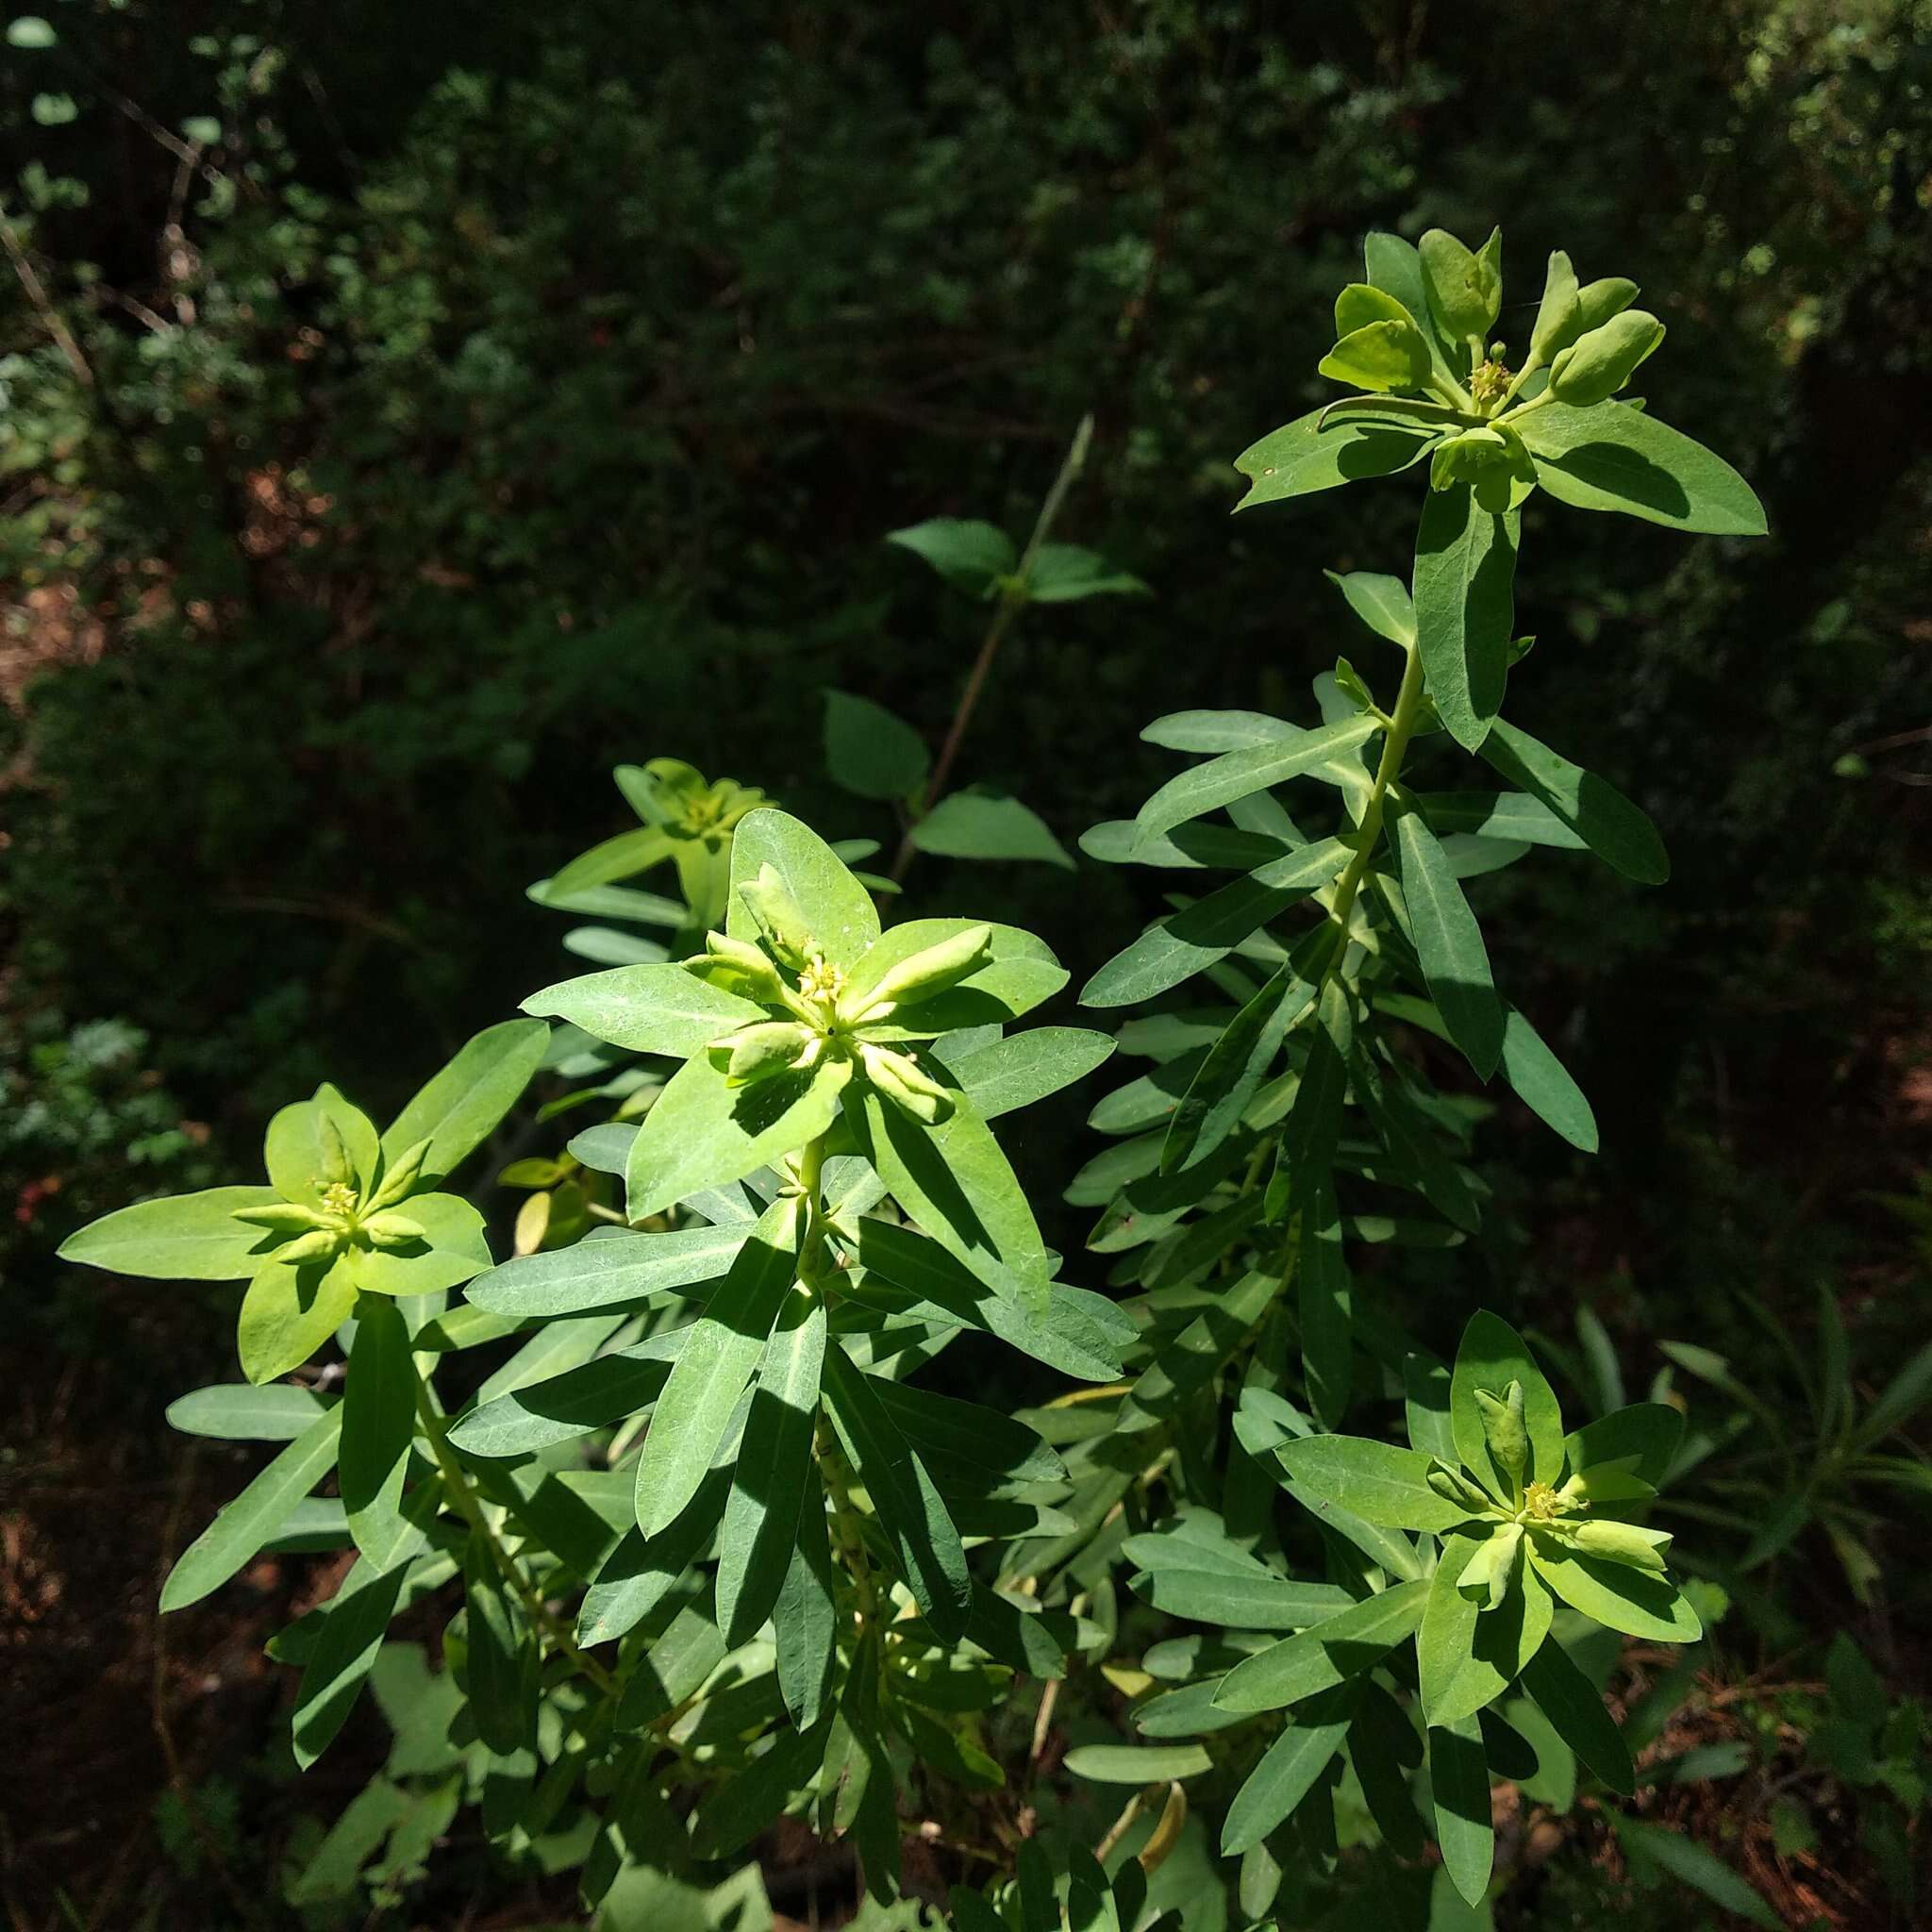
<point x="343" y="1216"/>
<point x="821" y="1012"/>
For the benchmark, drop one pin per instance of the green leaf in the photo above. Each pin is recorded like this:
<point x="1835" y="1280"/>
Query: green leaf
<point x="236" y="1412"/>
<point x="1464" y="287"/>
<point x="910" y="1509"/>
<point x="1011" y="1073"/>
<point x="1019" y="972"/>
<point x="610" y="1272"/>
<point x="1455" y="961"/>
<point x="1288" y="1772"/>
<point x="1614" y="457"/>
<point x="1491" y="1356"/>
<point x="701" y="1133"/>
<point x="956" y="1182"/>
<point x="1076" y="1332"/>
<point x="241" y="1527"/>
<point x="500" y="1660"/>
<point x="1384" y="1748"/>
<point x="967" y="554"/>
<point x="622" y="857"/>
<point x="774" y="1471"/>
<point x="1209" y="734"/>
<point x="714" y="1368"/>
<point x="949" y="1431"/>
<point x="289" y="1311"/>
<point x="181" y="1237"/>
<point x="1425" y="1403"/>
<point x="1382" y="603"/>
<point x="1901" y="1399"/>
<point x="1469" y="1656"/>
<point x="1687" y="1861"/>
<point x="1064" y="574"/>
<point x="1460" y="1785"/>
<point x="1195" y="938"/>
<point x="1236" y="774"/>
<point x="1314" y="1122"/>
<point x="457" y="1108"/>
<point x="836" y="905"/>
<point x="1507" y="816"/>
<point x="659" y="1008"/>
<point x="1574" y="1707"/>
<point x="1231" y="1074"/>
<point x="1543" y="1083"/>
<point x="979" y="823"/>
<point x="453" y="1247"/>
<point x="741" y="1807"/>
<point x="1412" y="1140"/>
<point x="807" y="1620"/>
<point x="306" y="1140"/>
<point x="1619" y="1597"/>
<point x="871" y="752"/>
<point x="1260" y="1601"/>
<point x="1617" y="831"/>
<point x="1465" y="611"/>
<point x="1390" y="354"/>
<point x="560" y="1407"/>
<point x="1303" y="457"/>
<point x="1325" y="1654"/>
<point x="1136" y="1764"/>
<point x="353" y="1628"/>
<point x="1379" y="1482"/>
<point x="1649" y="1431"/>
<point x="379" y="1422"/>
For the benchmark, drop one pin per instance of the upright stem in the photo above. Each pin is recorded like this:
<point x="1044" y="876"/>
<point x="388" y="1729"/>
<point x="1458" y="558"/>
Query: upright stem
<point x="1013" y="600"/>
<point x="456" y="1481"/>
<point x="1394" y="748"/>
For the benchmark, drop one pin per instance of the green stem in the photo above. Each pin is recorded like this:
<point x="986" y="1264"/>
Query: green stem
<point x="457" y="1482"/>
<point x="1394" y="748"/>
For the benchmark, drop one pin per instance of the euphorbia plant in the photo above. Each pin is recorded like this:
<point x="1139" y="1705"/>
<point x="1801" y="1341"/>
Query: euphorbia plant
<point x="715" y="1552"/>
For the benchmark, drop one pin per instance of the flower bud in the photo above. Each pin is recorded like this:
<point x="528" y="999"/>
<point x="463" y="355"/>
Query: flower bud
<point x="1594" y="367"/>
<point x="901" y="1081"/>
<point x="310" y="1247"/>
<point x="1453" y="1487"/>
<point x="1491" y="460"/>
<point x="1485" y="1580"/>
<point x="280" y="1216"/>
<point x="772" y="905"/>
<point x="760" y="1051"/>
<point x="1504" y="1425"/>
<point x="401" y="1175"/>
<point x="1621" y="1543"/>
<point x="738" y="966"/>
<point x="336" y="1164"/>
<point x="931" y="970"/>
<point x="393" y="1230"/>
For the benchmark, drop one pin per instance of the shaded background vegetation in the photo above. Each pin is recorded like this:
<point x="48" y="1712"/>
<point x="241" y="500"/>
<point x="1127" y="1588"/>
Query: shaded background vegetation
<point x="405" y="423"/>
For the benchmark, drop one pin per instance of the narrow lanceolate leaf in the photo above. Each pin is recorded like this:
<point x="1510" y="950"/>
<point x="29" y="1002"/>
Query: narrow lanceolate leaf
<point x="1237" y="774"/>
<point x="1382" y="603"/>
<point x="1303" y="457"/>
<point x="378" y="1421"/>
<point x="352" y="1633"/>
<point x="1324" y="1654"/>
<point x="1136" y="1764"/>
<point x="460" y="1107"/>
<point x="1468" y="1657"/>
<point x="909" y="1509"/>
<point x="1460" y="1781"/>
<point x="1574" y="1707"/>
<point x="659" y="1009"/>
<point x="1009" y="1074"/>
<point x="1542" y="1083"/>
<point x="1314" y="1124"/>
<point x="1379" y="1482"/>
<point x="1288" y="1772"/>
<point x="1414" y="1140"/>
<point x="1195" y="938"/>
<point x="1465" y="607"/>
<point x="1510" y="817"/>
<point x="714" y="1368"/>
<point x="1617" y="831"/>
<point x="775" y="1469"/>
<point x="1327" y="1324"/>
<point x="1260" y="1602"/>
<point x="237" y="1413"/>
<point x="607" y="1273"/>
<point x="1236" y="1065"/>
<point x="1617" y="1596"/>
<point x="702" y="1134"/>
<point x="243" y="1525"/>
<point x="1617" y="458"/>
<point x="501" y="1681"/>
<point x="961" y="1188"/>
<point x="1689" y="1862"/>
<point x="563" y="1406"/>
<point x="805" y="1621"/>
<point x="184" y="1238"/>
<point x="1456" y="963"/>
